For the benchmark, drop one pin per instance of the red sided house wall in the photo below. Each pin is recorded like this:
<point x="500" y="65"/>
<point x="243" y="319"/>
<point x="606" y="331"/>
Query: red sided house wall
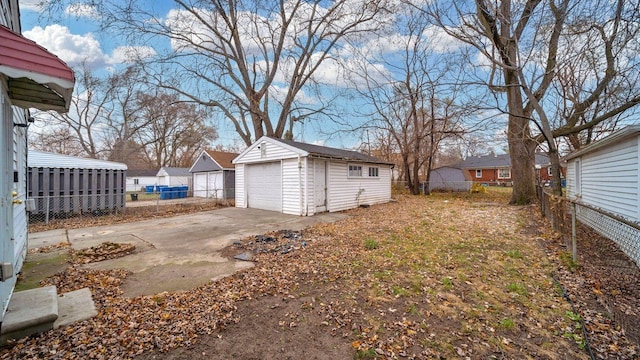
<point x="497" y="176"/>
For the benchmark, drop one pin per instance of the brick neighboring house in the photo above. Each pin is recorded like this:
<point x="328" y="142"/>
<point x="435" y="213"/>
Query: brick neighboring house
<point x="496" y="169"/>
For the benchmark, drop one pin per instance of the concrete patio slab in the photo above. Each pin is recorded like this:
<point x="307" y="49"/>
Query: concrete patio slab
<point x="182" y="252"/>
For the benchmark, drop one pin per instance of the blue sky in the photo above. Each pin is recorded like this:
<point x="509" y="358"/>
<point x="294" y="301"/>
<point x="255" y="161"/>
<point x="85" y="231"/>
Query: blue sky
<point x="74" y="36"/>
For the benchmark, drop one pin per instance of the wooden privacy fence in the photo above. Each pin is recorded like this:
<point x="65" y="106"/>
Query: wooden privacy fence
<point x="60" y="192"/>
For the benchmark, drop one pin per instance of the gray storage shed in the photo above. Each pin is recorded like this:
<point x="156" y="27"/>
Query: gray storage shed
<point x="63" y="185"/>
<point x="449" y="178"/>
<point x="214" y="175"/>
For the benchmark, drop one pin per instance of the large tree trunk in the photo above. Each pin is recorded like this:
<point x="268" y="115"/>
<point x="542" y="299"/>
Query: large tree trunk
<point x="521" y="146"/>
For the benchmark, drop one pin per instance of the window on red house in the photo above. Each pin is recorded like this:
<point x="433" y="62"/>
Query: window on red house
<point x="504" y="173"/>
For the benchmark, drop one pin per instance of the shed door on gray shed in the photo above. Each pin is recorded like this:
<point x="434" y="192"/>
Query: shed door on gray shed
<point x="264" y="186"/>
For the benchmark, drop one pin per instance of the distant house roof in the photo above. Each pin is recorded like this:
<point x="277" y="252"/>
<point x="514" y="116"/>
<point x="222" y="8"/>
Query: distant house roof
<point x="148" y="173"/>
<point x="497" y="161"/>
<point x="616" y="137"/>
<point x="223" y="158"/>
<point x="447" y="170"/>
<point x="41" y="159"/>
<point x="174" y="171"/>
<point x="328" y="152"/>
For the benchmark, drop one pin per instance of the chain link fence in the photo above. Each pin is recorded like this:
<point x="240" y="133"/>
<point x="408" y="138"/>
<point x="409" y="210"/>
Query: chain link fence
<point x="51" y="212"/>
<point x="606" y="249"/>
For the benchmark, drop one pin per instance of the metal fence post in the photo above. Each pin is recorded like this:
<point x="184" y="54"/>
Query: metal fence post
<point x="46" y="213"/>
<point x="574" y="247"/>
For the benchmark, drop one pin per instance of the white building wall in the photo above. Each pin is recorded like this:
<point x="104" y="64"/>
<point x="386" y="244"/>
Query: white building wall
<point x="572" y="166"/>
<point x="240" y="187"/>
<point x="177" y="180"/>
<point x="292" y="186"/>
<point x="609" y="178"/>
<point x="266" y="151"/>
<point x="310" y="186"/>
<point x="20" y="188"/>
<point x="142" y="182"/>
<point x="347" y="193"/>
<point x="13" y="228"/>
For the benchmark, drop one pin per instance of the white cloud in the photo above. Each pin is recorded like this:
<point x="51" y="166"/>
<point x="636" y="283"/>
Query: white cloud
<point x="75" y="49"/>
<point x="130" y="54"/>
<point x="32" y="5"/>
<point x="72" y="48"/>
<point x="280" y="92"/>
<point x="82" y="10"/>
<point x="441" y="42"/>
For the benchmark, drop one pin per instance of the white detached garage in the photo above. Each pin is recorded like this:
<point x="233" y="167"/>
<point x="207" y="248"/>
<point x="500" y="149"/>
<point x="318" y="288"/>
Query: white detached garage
<point x="303" y="179"/>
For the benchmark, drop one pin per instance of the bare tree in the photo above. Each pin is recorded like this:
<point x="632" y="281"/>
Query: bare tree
<point x="58" y="139"/>
<point x="527" y="43"/>
<point x="416" y="102"/>
<point x="82" y="126"/>
<point x="176" y="132"/>
<point x="259" y="63"/>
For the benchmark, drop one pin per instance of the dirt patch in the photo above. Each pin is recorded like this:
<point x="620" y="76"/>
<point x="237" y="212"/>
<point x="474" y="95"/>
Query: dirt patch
<point x="271" y="327"/>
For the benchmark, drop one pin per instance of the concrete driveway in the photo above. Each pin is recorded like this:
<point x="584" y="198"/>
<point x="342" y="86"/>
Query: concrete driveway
<point x="181" y="252"/>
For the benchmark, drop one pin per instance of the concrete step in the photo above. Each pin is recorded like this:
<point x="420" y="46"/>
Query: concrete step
<point x="30" y="312"/>
<point x="41" y="309"/>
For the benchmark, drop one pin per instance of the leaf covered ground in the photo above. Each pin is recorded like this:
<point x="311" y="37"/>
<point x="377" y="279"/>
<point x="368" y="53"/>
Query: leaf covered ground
<point x="444" y="276"/>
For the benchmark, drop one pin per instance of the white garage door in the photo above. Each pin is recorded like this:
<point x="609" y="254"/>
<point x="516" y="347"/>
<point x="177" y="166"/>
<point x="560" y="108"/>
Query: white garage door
<point x="264" y="186"/>
<point x="200" y="185"/>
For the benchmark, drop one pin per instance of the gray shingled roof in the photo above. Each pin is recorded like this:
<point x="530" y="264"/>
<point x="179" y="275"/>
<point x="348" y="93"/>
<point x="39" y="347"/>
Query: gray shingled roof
<point x="496" y="161"/>
<point x="324" y="151"/>
<point x="149" y="173"/>
<point x="176" y="171"/>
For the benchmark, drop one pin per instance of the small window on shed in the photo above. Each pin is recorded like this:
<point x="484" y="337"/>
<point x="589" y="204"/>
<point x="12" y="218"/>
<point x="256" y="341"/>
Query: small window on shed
<point x="136" y="181"/>
<point x="355" y="170"/>
<point x="374" y="172"/>
<point x="479" y="173"/>
<point x="263" y="150"/>
<point x="549" y="171"/>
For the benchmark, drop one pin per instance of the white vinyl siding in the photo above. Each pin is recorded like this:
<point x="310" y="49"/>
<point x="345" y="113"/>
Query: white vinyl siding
<point x="240" y="187"/>
<point x="609" y="178"/>
<point x="292" y="180"/>
<point x="347" y="193"/>
<point x="142" y="182"/>
<point x="572" y="167"/>
<point x="20" y="187"/>
<point x="273" y="153"/>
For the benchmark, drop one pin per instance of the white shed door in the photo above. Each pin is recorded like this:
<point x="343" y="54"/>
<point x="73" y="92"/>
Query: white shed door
<point x="200" y="185"/>
<point x="264" y="186"/>
<point x="320" y="180"/>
